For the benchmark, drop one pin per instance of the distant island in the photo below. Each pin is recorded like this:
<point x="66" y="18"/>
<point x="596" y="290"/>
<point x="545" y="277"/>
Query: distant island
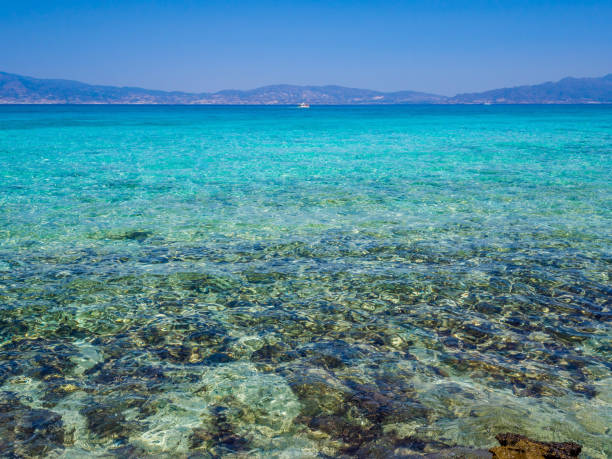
<point x="17" y="89"/>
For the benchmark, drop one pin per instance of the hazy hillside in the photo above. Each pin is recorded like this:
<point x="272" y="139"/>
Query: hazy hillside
<point x="567" y="90"/>
<point x="20" y="89"/>
<point x="330" y="95"/>
<point x="26" y="90"/>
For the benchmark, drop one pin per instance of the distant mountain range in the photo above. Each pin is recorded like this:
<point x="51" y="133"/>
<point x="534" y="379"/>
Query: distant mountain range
<point x="565" y="91"/>
<point x="17" y="89"/>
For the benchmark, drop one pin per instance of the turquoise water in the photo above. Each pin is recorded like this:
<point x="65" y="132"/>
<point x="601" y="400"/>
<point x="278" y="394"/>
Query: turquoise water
<point x="274" y="282"/>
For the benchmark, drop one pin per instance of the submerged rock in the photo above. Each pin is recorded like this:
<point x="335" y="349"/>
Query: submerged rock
<point x="515" y="446"/>
<point x="106" y="421"/>
<point x="28" y="432"/>
<point x="133" y="235"/>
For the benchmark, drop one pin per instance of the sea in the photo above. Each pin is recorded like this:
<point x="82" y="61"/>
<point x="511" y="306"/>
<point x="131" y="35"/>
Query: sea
<point x="269" y="281"/>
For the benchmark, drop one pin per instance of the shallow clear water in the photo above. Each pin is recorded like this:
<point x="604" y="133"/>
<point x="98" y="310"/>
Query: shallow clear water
<point x="244" y="281"/>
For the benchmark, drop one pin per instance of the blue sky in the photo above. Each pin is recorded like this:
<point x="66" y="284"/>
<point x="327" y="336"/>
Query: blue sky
<point x="436" y="46"/>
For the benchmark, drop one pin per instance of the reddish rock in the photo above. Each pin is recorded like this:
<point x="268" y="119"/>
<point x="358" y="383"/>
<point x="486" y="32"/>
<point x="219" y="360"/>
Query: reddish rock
<point x="515" y="446"/>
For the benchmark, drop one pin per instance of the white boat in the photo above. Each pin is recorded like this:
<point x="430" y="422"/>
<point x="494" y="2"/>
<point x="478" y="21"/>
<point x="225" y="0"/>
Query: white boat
<point x="304" y="105"/>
